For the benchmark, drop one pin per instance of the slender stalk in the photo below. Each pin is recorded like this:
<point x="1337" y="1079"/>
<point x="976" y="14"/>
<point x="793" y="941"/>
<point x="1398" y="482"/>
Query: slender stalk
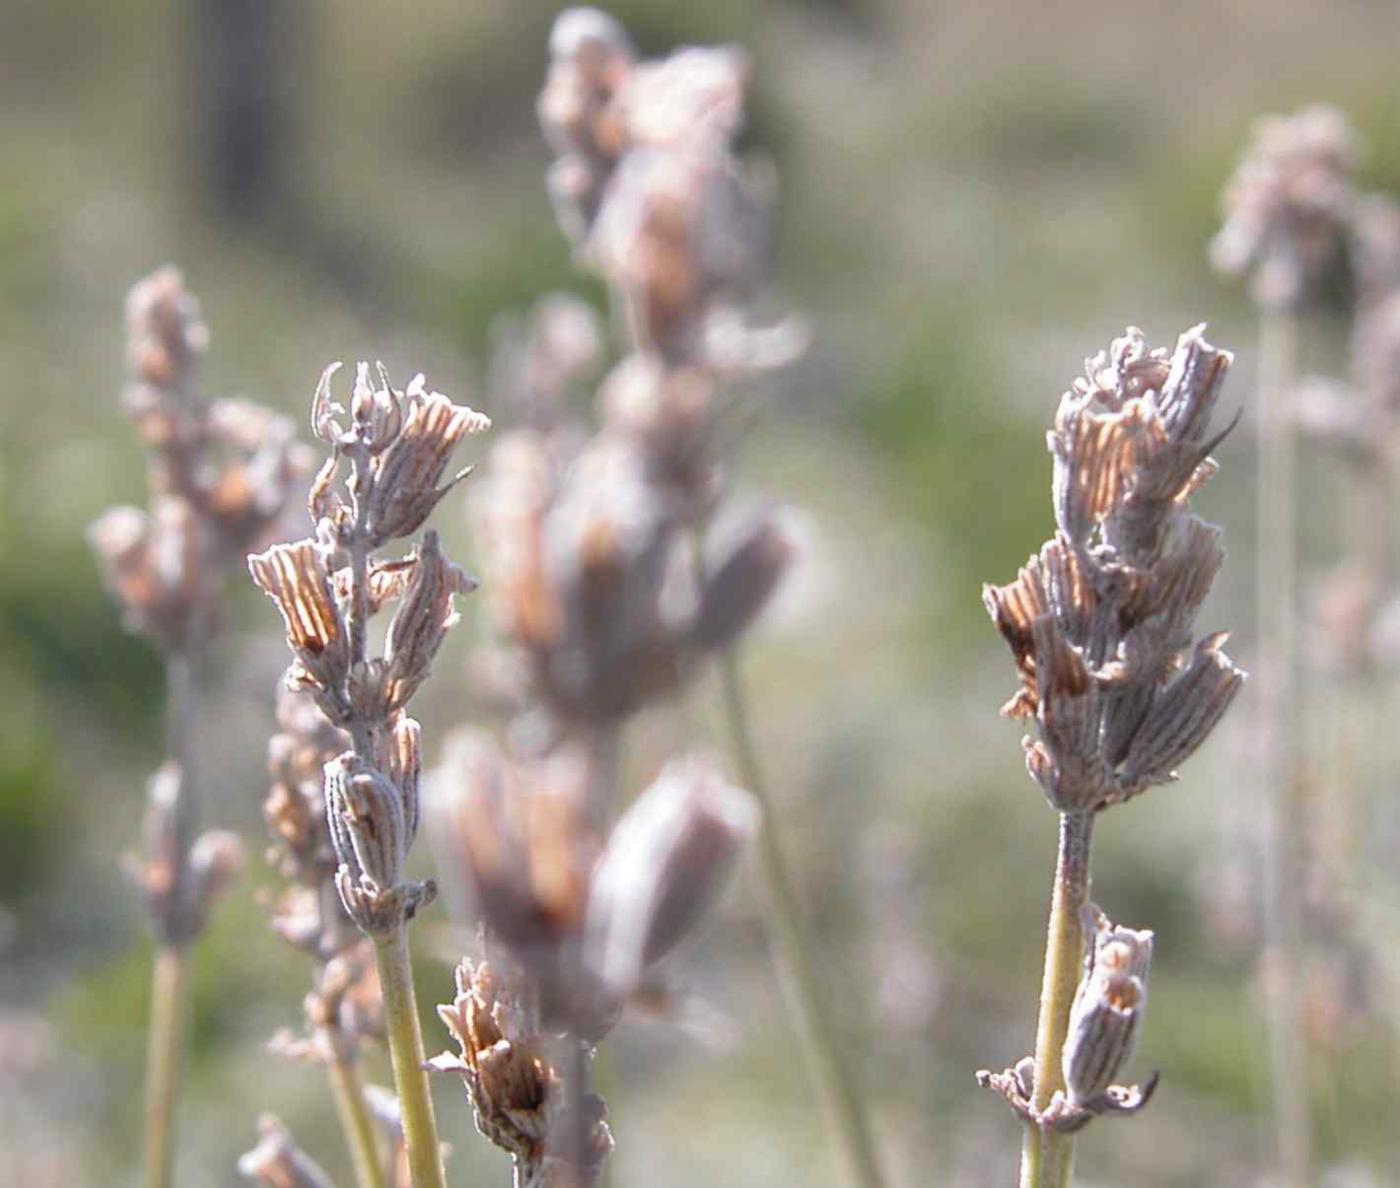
<point x="166" y="1040"/>
<point x="792" y="954"/>
<point x="360" y="1136"/>
<point x="165" y="1043"/>
<point x="406" y="1053"/>
<point x="1047" y="1156"/>
<point x="1278" y="768"/>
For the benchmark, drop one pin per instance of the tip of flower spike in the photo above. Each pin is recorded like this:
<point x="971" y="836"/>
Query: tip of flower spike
<point x="577" y="29"/>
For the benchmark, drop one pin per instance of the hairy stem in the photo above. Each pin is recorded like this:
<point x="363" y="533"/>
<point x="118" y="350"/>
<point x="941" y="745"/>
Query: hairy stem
<point x="793" y="955"/>
<point x="406" y="1053"/>
<point x="165" y="1043"/>
<point x="348" y="1088"/>
<point x="1047" y="1156"/>
<point x="1278" y="767"/>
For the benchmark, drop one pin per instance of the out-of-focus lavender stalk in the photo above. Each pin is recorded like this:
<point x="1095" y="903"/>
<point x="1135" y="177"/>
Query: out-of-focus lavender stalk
<point x="1101" y="625"/>
<point x="220" y="473"/>
<point x="1287" y="209"/>
<point x="647" y="185"/>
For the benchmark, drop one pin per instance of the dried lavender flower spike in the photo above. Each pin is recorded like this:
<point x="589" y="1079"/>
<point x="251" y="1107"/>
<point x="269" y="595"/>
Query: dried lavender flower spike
<point x="394" y="447"/>
<point x="1288" y="205"/>
<point x="220" y="474"/>
<point x="1101" y="625"/>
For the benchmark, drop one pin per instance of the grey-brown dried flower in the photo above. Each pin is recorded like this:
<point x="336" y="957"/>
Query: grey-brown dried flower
<point x="589" y="583"/>
<point x="397" y="445"/>
<point x="180" y="878"/>
<point x="1106" y="1016"/>
<point x="588" y="918"/>
<point x="1101" y="620"/>
<point x="222" y="473"/>
<point x="278" y="1162"/>
<point x="1288" y="206"/>
<point x="517" y="1093"/>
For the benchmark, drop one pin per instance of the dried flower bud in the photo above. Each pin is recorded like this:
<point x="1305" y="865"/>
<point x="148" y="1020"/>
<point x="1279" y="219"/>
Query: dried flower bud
<point x="295" y="577"/>
<point x="681" y="235"/>
<point x="424" y="615"/>
<point x="1184" y="713"/>
<point x="518" y="1095"/>
<point x="410" y="468"/>
<point x="693" y="97"/>
<point x="165" y="336"/>
<point x="278" y="1162"/>
<point x="741" y="586"/>
<point x="369" y="825"/>
<point x="503" y="1061"/>
<point x="1288" y="205"/>
<point x="157" y="569"/>
<point x="666" y="861"/>
<point x="216" y="859"/>
<point x="591" y="57"/>
<point x="522" y="828"/>
<point x="1107" y="1013"/>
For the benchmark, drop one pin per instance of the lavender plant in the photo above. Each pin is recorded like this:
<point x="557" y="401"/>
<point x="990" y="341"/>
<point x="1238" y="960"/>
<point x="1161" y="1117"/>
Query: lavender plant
<point x="649" y="188"/>
<point x="1101" y="625"/>
<point x="220" y="475"/>
<point x="1287" y="212"/>
<point x="397" y="445"/>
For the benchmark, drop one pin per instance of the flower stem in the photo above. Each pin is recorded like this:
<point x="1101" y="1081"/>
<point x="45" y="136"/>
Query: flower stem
<point x="792" y="954"/>
<point x="165" y="1043"/>
<point x="1047" y="1156"/>
<point x="349" y="1091"/>
<point x="1276" y="584"/>
<point x="406" y="1053"/>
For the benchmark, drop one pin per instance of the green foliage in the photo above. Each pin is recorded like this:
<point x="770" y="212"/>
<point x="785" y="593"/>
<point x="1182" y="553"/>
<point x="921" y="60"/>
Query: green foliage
<point x="974" y="473"/>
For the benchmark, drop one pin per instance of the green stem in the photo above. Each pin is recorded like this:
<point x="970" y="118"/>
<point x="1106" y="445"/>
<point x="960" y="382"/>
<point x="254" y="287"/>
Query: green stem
<point x="406" y="1053"/>
<point x="165" y="1038"/>
<point x="355" y="1119"/>
<point x="792" y="954"/>
<point x="1278" y="768"/>
<point x="1047" y="1156"/>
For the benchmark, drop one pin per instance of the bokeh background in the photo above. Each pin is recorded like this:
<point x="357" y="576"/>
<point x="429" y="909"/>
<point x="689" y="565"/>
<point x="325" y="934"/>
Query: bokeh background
<point x="975" y="197"/>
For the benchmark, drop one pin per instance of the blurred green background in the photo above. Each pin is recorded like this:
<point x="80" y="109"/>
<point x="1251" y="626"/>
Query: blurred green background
<point x="975" y="197"/>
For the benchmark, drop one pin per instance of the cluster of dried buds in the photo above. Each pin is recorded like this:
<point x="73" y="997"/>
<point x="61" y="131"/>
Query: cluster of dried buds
<point x="648" y="187"/>
<point x="1101" y="625"/>
<point x="1289" y="206"/>
<point x="1100" y="622"/>
<point x="591" y="592"/>
<point x="344" y="1005"/>
<point x="577" y="920"/>
<point x="220" y="475"/>
<point x="397" y="445"/>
